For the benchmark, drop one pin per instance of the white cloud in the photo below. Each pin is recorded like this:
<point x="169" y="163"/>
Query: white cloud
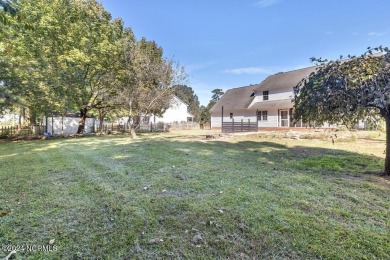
<point x="376" y="34"/>
<point x="267" y="3"/>
<point x="249" y="70"/>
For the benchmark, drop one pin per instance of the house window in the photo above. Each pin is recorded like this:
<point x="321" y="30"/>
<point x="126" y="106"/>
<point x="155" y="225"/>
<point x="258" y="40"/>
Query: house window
<point x="262" y="115"/>
<point x="291" y="113"/>
<point x="231" y="115"/>
<point x="265" y="95"/>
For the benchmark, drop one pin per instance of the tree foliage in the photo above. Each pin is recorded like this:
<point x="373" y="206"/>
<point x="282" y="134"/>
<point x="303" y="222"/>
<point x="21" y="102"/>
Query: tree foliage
<point x="64" y="56"/>
<point x="144" y="80"/>
<point x="77" y="59"/>
<point x="217" y="93"/>
<point x="347" y="90"/>
<point x="205" y="114"/>
<point x="205" y="111"/>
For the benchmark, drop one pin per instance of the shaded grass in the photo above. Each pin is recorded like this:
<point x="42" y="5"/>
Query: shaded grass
<point x="247" y="197"/>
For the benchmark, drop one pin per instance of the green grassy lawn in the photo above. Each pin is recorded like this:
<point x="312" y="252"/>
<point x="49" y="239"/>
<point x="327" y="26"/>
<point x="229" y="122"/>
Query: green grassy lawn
<point x="174" y="196"/>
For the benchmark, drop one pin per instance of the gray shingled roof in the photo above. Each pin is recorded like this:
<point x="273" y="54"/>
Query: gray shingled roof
<point x="285" y="79"/>
<point x="236" y="98"/>
<point x="239" y="98"/>
<point x="281" y="103"/>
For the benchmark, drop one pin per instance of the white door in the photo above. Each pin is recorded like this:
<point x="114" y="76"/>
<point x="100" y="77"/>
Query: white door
<point x="283" y="118"/>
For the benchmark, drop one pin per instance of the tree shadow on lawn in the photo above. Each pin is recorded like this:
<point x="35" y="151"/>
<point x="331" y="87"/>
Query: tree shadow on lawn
<point x="303" y="158"/>
<point x="270" y="155"/>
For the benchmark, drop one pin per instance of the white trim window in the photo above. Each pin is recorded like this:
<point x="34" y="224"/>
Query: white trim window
<point x="262" y="115"/>
<point x="265" y="95"/>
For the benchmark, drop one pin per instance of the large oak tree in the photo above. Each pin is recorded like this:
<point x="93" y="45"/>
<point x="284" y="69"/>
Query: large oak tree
<point x="77" y="59"/>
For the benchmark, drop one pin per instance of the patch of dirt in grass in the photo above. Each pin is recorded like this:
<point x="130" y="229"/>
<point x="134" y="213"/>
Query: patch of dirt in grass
<point x="379" y="179"/>
<point x="384" y="182"/>
<point x="374" y="177"/>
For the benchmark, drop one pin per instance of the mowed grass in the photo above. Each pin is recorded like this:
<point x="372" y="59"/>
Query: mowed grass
<point x="183" y="197"/>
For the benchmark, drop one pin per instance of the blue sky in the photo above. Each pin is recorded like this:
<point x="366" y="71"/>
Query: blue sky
<point x="234" y="43"/>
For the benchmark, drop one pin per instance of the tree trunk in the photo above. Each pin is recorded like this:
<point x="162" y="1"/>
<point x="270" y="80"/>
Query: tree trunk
<point x="135" y="124"/>
<point x="101" y="121"/>
<point x="133" y="132"/>
<point x="387" y="160"/>
<point x="83" y="116"/>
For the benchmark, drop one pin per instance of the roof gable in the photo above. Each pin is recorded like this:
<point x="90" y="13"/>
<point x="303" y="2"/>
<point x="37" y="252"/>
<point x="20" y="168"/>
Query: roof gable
<point x="241" y="98"/>
<point x="235" y="98"/>
<point x="285" y="79"/>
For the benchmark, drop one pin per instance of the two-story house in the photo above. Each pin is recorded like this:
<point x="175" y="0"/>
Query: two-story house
<point x="269" y="103"/>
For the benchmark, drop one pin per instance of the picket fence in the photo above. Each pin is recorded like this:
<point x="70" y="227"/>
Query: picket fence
<point x="11" y="131"/>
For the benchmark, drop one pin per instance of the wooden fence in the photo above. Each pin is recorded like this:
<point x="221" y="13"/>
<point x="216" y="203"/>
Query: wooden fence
<point x="11" y="131"/>
<point x="151" y="127"/>
<point x="240" y="126"/>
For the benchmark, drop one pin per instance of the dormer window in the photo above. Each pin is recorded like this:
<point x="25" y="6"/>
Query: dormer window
<point x="253" y="93"/>
<point x="265" y="95"/>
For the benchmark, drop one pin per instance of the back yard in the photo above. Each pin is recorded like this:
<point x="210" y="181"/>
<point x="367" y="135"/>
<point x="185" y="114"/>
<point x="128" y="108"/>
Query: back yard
<point x="182" y="196"/>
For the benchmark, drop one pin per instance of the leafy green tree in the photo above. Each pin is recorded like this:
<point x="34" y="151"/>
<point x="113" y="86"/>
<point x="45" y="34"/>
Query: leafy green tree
<point x="204" y="114"/>
<point x="67" y="62"/>
<point x="205" y="111"/>
<point x="347" y="90"/>
<point x="217" y="93"/>
<point x="146" y="79"/>
<point x="89" y="63"/>
<point x="78" y="59"/>
<point x="187" y="95"/>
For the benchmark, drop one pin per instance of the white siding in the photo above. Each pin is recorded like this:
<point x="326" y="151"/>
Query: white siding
<point x="68" y="125"/>
<point x="272" y="112"/>
<point x="238" y="115"/>
<point x="216" y="120"/>
<point x="177" y="112"/>
<point x="277" y="94"/>
<point x="272" y="119"/>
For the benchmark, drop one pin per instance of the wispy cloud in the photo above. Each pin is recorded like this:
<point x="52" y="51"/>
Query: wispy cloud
<point x="376" y="34"/>
<point x="267" y="3"/>
<point x="249" y="70"/>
